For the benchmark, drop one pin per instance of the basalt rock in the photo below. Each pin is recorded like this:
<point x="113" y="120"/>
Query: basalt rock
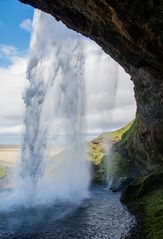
<point x="132" y="33"/>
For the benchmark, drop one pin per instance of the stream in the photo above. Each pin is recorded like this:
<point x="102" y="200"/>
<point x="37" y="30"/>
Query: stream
<point x="100" y="216"/>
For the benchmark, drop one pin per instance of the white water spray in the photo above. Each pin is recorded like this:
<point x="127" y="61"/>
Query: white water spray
<point x="56" y="76"/>
<point x="70" y="78"/>
<point x="102" y="76"/>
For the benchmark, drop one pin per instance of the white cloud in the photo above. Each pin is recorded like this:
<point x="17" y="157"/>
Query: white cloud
<point x="12" y="83"/>
<point x="26" y="25"/>
<point x="110" y="105"/>
<point x="17" y="129"/>
<point x="7" y="50"/>
<point x="110" y="95"/>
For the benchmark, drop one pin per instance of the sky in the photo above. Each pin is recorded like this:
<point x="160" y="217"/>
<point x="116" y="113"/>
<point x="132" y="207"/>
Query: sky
<point x="15" y="33"/>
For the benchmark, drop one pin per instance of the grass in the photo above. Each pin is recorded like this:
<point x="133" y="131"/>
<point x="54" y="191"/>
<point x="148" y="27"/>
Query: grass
<point x="96" y="151"/>
<point x="117" y="165"/>
<point x="96" y="146"/>
<point x="116" y="135"/>
<point x="3" y="171"/>
<point x="101" y="161"/>
<point x="152" y="218"/>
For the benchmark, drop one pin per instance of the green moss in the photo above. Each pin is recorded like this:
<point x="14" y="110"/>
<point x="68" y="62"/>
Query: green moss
<point x="118" y="134"/>
<point x="100" y="161"/>
<point x="117" y="165"/>
<point x="133" y="149"/>
<point x="96" y="149"/>
<point x="99" y="172"/>
<point x="113" y="165"/>
<point x="144" y="197"/>
<point x="129" y="133"/>
<point x="141" y="186"/>
<point x="152" y="215"/>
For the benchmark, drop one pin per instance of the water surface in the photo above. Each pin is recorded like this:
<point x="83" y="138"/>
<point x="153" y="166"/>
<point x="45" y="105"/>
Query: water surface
<point x="101" y="216"/>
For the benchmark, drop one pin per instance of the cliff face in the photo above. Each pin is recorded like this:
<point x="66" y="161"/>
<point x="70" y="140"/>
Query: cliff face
<point x="132" y="33"/>
<point x="129" y="31"/>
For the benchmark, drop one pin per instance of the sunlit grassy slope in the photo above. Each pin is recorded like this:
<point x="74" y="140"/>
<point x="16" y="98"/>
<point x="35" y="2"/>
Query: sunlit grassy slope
<point x="96" y="146"/>
<point x="99" y="157"/>
<point x="117" y="134"/>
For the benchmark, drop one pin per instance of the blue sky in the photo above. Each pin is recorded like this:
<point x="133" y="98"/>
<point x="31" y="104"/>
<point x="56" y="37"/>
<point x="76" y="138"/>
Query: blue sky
<point x="15" y="33"/>
<point x="12" y="15"/>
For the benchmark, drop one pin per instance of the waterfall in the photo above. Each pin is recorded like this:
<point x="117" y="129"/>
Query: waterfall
<point x="71" y="88"/>
<point x="56" y="91"/>
<point x="56" y="102"/>
<point x="102" y="78"/>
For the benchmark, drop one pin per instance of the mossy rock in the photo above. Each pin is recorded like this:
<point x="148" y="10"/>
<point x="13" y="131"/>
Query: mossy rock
<point x="97" y="156"/>
<point x="103" y="164"/>
<point x="144" y="198"/>
<point x="95" y="147"/>
<point x="96" y="151"/>
<point x="117" y="135"/>
<point x="152" y="215"/>
<point x="115" y="163"/>
<point x="99" y="174"/>
<point x="141" y="186"/>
